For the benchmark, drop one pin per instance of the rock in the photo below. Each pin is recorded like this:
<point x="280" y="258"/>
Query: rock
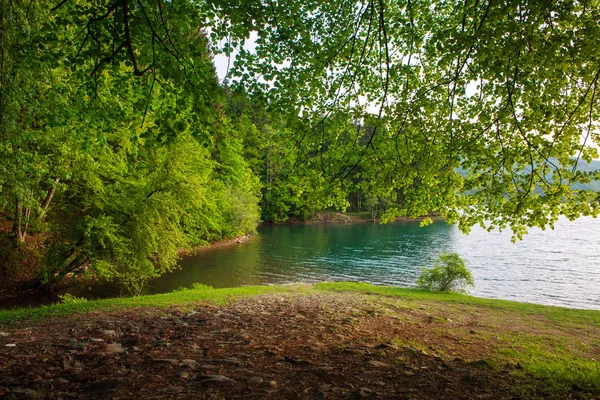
<point x="255" y="380"/>
<point x="191" y="364"/>
<point x="103" y="386"/>
<point x="115" y="348"/>
<point x="378" y="364"/>
<point x="3" y="334"/>
<point x="214" y="378"/>
<point x="96" y="340"/>
<point x="184" y="374"/>
<point x="10" y="345"/>
<point x="109" y="332"/>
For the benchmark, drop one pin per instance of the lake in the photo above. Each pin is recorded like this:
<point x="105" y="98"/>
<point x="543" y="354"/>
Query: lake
<point x="554" y="267"/>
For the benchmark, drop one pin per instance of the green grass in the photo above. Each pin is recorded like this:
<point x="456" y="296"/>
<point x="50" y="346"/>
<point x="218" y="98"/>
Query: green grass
<point x="555" y="314"/>
<point x="220" y="296"/>
<point x="550" y="359"/>
<point x="182" y="297"/>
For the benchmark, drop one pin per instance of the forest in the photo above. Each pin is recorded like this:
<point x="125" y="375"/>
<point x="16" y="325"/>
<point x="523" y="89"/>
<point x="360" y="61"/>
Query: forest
<point x="120" y="145"/>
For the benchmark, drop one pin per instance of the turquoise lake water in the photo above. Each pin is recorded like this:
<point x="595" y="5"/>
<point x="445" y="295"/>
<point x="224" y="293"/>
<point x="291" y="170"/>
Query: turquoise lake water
<point x="555" y="267"/>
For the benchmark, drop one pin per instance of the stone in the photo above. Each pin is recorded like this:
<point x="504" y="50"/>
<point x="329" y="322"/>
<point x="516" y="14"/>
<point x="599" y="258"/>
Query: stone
<point x="214" y="378"/>
<point x="191" y="364"/>
<point x="184" y="374"/>
<point x="10" y="345"/>
<point x="378" y="364"/>
<point x="255" y="380"/>
<point x="365" y="393"/>
<point x="115" y="348"/>
<point x="110" y="332"/>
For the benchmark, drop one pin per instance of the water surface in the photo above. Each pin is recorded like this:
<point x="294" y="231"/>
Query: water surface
<point x="555" y="267"/>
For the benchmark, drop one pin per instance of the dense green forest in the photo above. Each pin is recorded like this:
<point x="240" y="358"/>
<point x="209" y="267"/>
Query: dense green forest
<point x="119" y="145"/>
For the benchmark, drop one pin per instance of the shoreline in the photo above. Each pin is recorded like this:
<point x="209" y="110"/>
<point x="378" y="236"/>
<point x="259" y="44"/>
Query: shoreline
<point x="343" y="218"/>
<point x="214" y="245"/>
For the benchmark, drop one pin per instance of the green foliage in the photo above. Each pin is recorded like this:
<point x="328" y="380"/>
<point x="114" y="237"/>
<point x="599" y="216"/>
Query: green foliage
<point x="449" y="274"/>
<point x="118" y="144"/>
<point x="68" y="298"/>
<point x="117" y="174"/>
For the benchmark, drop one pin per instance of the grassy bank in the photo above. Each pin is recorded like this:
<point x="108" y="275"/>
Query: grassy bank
<point x="542" y="351"/>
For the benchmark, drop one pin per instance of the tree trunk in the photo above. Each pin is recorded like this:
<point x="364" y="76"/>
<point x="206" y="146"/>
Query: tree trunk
<point x="48" y="199"/>
<point x="17" y="229"/>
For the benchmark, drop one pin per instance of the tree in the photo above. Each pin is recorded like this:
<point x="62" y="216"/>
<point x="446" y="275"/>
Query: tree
<point x="109" y="171"/>
<point x="503" y="91"/>
<point x="481" y="111"/>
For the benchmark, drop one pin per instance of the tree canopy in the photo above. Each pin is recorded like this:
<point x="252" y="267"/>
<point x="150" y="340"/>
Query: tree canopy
<point x="119" y="144"/>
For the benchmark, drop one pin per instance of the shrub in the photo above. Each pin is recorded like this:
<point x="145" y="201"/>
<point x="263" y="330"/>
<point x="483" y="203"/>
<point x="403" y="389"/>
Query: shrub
<point x="448" y="275"/>
<point x="68" y="298"/>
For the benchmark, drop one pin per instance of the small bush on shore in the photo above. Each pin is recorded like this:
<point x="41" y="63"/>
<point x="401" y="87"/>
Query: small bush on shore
<point x="449" y="274"/>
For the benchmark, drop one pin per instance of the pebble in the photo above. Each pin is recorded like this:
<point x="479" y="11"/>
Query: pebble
<point x="191" y="364"/>
<point x="184" y="374"/>
<point x="115" y="348"/>
<point x="378" y="364"/>
<point x="255" y="380"/>
<point x="214" y="378"/>
<point x="109" y="332"/>
<point x="10" y="345"/>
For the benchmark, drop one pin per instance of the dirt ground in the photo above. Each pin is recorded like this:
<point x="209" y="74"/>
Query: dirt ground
<point x="284" y="346"/>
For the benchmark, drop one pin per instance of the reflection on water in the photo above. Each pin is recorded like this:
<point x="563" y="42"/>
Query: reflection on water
<point x="550" y="267"/>
<point x="310" y="253"/>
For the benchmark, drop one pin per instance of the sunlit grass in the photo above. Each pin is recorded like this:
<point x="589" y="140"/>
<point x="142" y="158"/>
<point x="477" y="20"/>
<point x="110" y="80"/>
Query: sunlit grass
<point x="555" y="314"/>
<point x="182" y="297"/>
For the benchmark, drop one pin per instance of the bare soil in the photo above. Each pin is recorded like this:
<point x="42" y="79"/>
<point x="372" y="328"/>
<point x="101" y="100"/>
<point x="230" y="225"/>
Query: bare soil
<point x="284" y="346"/>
